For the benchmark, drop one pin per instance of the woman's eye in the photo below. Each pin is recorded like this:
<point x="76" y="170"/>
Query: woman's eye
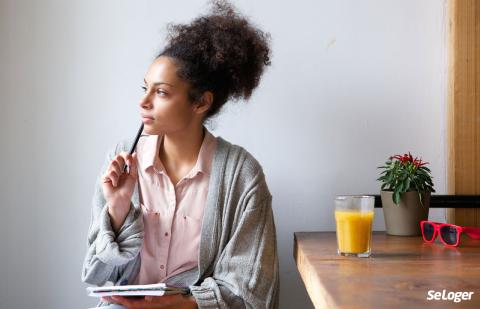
<point x="161" y="92"/>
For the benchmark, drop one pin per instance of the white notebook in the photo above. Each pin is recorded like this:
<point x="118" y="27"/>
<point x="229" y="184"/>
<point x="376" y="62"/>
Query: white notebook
<point x="158" y="289"/>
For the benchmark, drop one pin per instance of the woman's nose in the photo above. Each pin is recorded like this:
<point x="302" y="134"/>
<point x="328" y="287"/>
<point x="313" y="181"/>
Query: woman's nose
<point x="145" y="102"/>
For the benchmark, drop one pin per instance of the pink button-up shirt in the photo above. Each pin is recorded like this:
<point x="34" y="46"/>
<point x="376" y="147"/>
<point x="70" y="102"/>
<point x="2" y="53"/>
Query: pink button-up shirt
<point x="172" y="214"/>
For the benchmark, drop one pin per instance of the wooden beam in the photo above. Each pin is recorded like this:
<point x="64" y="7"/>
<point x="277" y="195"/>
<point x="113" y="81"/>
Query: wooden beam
<point x="463" y="106"/>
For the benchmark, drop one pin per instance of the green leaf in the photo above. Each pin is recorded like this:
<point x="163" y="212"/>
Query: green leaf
<point x="400" y="187"/>
<point x="389" y="177"/>
<point x="396" y="197"/>
<point x="407" y="184"/>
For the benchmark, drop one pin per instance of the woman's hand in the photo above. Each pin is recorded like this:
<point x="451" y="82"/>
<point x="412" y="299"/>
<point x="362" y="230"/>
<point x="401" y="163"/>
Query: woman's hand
<point x="176" y="301"/>
<point x="118" y="186"/>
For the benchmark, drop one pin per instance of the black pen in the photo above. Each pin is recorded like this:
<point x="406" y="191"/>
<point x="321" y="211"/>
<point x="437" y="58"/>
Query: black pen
<point x="132" y="150"/>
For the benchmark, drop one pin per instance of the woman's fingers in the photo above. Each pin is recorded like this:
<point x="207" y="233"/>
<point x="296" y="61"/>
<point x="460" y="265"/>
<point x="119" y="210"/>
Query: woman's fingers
<point x="110" y="176"/>
<point x="130" y="302"/>
<point x="132" y="163"/>
<point x="167" y="301"/>
<point x="115" y="166"/>
<point x="118" y="163"/>
<point x="120" y="159"/>
<point x="115" y="169"/>
<point x="113" y="178"/>
<point x="106" y="298"/>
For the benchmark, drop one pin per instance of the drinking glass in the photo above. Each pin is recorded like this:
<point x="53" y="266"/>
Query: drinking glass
<point x="353" y="218"/>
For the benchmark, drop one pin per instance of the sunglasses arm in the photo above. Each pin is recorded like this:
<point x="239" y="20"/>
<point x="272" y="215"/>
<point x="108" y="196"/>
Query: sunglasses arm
<point x="473" y="232"/>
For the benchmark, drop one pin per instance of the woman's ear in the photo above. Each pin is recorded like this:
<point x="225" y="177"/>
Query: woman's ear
<point x="204" y="103"/>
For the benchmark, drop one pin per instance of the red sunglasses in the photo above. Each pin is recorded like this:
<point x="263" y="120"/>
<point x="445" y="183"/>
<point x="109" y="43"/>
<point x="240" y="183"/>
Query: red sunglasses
<point x="449" y="233"/>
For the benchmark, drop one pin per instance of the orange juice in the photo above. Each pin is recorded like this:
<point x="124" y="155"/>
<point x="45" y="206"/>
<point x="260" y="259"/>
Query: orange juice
<point x="354" y="231"/>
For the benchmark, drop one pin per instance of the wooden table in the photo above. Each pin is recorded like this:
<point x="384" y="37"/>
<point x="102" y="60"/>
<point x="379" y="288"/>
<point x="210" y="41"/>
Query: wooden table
<point x="399" y="273"/>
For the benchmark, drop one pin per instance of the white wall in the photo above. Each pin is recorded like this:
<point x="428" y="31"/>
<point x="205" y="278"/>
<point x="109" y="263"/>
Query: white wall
<point x="352" y="82"/>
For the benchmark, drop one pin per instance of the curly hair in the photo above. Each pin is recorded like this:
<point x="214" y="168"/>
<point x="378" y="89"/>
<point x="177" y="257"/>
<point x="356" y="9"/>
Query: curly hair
<point x="221" y="52"/>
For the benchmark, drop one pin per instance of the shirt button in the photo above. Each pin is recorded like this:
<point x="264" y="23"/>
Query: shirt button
<point x="162" y="267"/>
<point x="185" y="217"/>
<point x="166" y="234"/>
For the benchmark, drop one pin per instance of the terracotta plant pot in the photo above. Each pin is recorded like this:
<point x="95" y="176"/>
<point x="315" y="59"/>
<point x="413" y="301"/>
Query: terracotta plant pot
<point x="404" y="219"/>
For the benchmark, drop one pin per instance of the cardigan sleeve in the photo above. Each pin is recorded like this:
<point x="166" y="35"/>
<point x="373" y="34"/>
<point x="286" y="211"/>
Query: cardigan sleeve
<point x="108" y="254"/>
<point x="246" y="274"/>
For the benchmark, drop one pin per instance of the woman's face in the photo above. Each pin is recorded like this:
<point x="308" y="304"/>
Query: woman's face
<point x="165" y="107"/>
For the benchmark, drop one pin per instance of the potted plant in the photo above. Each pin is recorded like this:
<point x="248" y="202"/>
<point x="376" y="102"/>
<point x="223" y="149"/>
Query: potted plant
<point x="405" y="194"/>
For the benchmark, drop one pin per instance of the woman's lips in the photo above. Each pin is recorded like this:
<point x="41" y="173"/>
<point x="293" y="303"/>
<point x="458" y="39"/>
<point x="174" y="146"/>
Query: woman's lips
<point x="146" y="119"/>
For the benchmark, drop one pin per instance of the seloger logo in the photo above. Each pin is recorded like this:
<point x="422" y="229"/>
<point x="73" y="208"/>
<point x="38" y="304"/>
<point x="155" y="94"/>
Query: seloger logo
<point x="444" y="295"/>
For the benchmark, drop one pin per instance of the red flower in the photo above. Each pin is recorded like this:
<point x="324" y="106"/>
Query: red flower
<point x="409" y="158"/>
<point x="419" y="163"/>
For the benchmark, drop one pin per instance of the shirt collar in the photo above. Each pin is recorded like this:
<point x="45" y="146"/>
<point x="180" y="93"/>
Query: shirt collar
<point x="150" y="151"/>
<point x="151" y="158"/>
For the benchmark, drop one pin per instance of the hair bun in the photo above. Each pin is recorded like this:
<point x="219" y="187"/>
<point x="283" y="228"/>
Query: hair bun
<point x="221" y="52"/>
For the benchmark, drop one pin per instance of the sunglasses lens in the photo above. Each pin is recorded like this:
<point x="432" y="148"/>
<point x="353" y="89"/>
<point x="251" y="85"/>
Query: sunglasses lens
<point x="449" y="235"/>
<point x="428" y="231"/>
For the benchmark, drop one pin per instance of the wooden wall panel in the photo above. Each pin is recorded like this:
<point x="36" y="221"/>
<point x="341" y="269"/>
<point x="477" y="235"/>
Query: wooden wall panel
<point x="463" y="111"/>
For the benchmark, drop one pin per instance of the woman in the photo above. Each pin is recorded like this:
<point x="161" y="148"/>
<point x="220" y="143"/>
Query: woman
<point x="193" y="210"/>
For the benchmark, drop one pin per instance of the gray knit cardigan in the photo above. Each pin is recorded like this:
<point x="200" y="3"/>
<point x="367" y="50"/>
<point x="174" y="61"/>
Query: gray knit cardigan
<point x="238" y="261"/>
